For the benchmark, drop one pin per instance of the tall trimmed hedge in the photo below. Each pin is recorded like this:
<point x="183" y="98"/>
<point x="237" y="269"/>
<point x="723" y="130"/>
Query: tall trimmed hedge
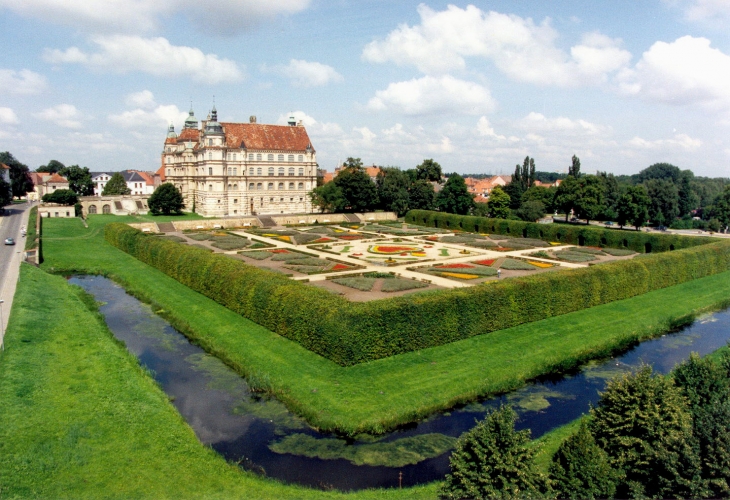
<point x="573" y="234"/>
<point x="349" y="333"/>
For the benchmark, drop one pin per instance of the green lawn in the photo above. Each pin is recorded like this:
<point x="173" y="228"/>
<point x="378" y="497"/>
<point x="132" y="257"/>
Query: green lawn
<point x="81" y="419"/>
<point x="379" y="395"/>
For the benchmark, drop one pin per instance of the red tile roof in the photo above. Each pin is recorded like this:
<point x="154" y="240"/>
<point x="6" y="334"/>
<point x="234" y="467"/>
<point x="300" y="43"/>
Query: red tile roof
<point x="3" y="166"/>
<point x="188" y="134"/>
<point x="266" y="137"/>
<point x="147" y="178"/>
<point x="57" y="179"/>
<point x="328" y="176"/>
<point x="161" y="173"/>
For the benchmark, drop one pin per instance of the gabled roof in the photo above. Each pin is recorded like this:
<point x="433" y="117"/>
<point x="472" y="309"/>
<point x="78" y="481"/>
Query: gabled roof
<point x="94" y="175"/>
<point x="132" y="176"/>
<point x="266" y="137"/>
<point x="147" y="177"/>
<point x="188" y="134"/>
<point x="161" y="173"/>
<point x="56" y="179"/>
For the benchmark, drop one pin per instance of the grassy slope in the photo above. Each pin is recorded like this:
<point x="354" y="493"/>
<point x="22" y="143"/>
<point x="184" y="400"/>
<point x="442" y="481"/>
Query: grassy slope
<point x="381" y="394"/>
<point x="81" y="419"/>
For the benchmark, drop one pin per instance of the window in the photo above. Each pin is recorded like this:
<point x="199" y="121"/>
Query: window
<point x="291" y="185"/>
<point x="301" y="171"/>
<point x="235" y="200"/>
<point x="169" y="160"/>
<point x="271" y="157"/>
<point x="210" y="156"/>
<point x="250" y="171"/>
<point x="229" y="187"/>
<point x="210" y="187"/>
<point x="271" y="199"/>
<point x="280" y="158"/>
<point x="300" y="158"/>
<point x="290" y="158"/>
<point x="271" y="170"/>
<point x="259" y="186"/>
<point x="291" y="170"/>
<point x="281" y="185"/>
<point x="210" y="142"/>
<point x="270" y="185"/>
<point x="300" y="185"/>
<point x="250" y="156"/>
<point x="258" y="156"/>
<point x="92" y="209"/>
<point x="210" y="170"/>
<point x="106" y="209"/>
<point x="235" y="170"/>
<point x="281" y="171"/>
<point x="250" y="186"/>
<point x="235" y="188"/>
<point x="259" y="171"/>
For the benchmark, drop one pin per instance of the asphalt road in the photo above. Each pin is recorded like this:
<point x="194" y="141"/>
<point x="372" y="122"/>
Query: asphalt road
<point x="11" y="221"/>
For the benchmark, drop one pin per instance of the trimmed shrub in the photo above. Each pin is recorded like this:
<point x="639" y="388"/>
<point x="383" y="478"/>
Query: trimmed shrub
<point x="288" y="256"/>
<point x="401" y="284"/>
<point x="200" y="236"/>
<point x="258" y="255"/>
<point x="530" y="242"/>
<point x="576" y="257"/>
<point x="362" y="284"/>
<point x="230" y="242"/>
<point x="350" y="333"/>
<point x="618" y="252"/>
<point x="588" y="250"/>
<point x="516" y="265"/>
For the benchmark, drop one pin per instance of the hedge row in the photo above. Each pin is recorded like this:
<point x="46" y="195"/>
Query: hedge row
<point x="350" y="333"/>
<point x="573" y="234"/>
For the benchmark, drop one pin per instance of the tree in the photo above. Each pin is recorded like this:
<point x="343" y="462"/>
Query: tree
<point x="611" y="195"/>
<point x="522" y="180"/>
<point x="566" y="195"/>
<point x="61" y="196"/>
<point x="721" y="207"/>
<point x="116" y="185"/>
<point x="20" y="181"/>
<point x="580" y="468"/>
<point x="663" y="171"/>
<point x="79" y="179"/>
<point x="328" y="198"/>
<point x="6" y="195"/>
<point x="644" y="425"/>
<point x="588" y="202"/>
<point x="663" y="201"/>
<point x="494" y="461"/>
<point x="358" y="190"/>
<point x="167" y="199"/>
<point x="421" y="195"/>
<point x="632" y="207"/>
<point x="531" y="211"/>
<point x="52" y="167"/>
<point x="498" y="204"/>
<point x="392" y="186"/>
<point x="429" y="170"/>
<point x="688" y="200"/>
<point x="455" y="198"/>
<point x="543" y="194"/>
<point x="574" y="168"/>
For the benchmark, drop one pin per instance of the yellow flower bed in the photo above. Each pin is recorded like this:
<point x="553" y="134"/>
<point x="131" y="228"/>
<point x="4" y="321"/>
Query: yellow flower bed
<point x="418" y="254"/>
<point x="460" y="276"/>
<point x="555" y="243"/>
<point x="540" y="264"/>
<point x="285" y="238"/>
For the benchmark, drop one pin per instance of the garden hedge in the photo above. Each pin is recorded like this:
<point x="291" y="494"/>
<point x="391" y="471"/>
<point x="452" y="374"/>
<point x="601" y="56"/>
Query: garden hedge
<point x="573" y="234"/>
<point x="349" y="333"/>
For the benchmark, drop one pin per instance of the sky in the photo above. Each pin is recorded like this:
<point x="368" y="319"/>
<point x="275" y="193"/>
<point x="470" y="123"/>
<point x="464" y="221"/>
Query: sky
<point x="475" y="86"/>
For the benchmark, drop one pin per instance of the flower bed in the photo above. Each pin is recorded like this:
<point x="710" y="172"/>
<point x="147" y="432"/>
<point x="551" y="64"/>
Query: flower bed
<point x="351" y="237"/>
<point x="455" y="266"/>
<point x="618" y="252"/>
<point x="460" y="276"/>
<point x="257" y="254"/>
<point x="340" y="267"/>
<point x="487" y="262"/>
<point x="392" y="249"/>
<point x="323" y="240"/>
<point x="541" y="265"/>
<point x="401" y="284"/>
<point x="516" y="265"/>
<point x="358" y="283"/>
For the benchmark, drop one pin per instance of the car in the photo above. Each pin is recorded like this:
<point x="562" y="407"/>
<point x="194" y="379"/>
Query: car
<point x="609" y="223"/>
<point x="9" y="241"/>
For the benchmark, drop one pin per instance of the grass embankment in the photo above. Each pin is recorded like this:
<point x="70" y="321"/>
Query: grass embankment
<point x="380" y="395"/>
<point x="31" y="235"/>
<point x="81" y="419"/>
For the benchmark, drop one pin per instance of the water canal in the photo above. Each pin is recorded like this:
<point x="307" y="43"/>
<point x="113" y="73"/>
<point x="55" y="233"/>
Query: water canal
<point x="261" y="435"/>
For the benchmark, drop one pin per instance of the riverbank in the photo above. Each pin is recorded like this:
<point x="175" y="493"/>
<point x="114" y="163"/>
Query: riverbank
<point x="377" y="396"/>
<point x="81" y="419"/>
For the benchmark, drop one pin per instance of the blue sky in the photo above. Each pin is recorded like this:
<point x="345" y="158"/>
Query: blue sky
<point x="476" y="86"/>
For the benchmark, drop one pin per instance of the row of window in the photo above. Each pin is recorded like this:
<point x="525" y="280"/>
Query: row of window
<point x="260" y="157"/>
<point x="259" y="171"/>
<point x="253" y="186"/>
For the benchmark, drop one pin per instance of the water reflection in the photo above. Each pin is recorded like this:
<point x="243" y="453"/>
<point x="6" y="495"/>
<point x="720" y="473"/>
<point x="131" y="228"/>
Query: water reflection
<point x="244" y="427"/>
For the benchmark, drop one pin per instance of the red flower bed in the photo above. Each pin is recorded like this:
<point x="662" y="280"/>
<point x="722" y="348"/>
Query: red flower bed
<point x="432" y="238"/>
<point x="487" y="262"/>
<point x="503" y="249"/>
<point x="456" y="266"/>
<point x="340" y="267"/>
<point x="323" y="240"/>
<point x="279" y="250"/>
<point x="393" y="249"/>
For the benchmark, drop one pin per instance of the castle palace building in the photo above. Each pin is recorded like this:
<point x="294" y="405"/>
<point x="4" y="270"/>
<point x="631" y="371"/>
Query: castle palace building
<point x="237" y="169"/>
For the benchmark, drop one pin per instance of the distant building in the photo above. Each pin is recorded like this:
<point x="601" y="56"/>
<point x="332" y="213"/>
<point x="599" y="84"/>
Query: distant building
<point x="227" y="169"/>
<point x="137" y="182"/>
<point x="481" y="188"/>
<point x="44" y="183"/>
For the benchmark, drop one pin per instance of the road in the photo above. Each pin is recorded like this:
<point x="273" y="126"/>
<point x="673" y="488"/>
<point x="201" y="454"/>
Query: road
<point x="11" y="221"/>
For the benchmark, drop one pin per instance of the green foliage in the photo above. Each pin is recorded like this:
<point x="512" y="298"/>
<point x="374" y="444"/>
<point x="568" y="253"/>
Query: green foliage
<point x="6" y="193"/>
<point x="429" y="170"/>
<point x="358" y="191"/>
<point x="721" y="207"/>
<point x="661" y="171"/>
<point x="79" y="179"/>
<point x="166" y="200"/>
<point x="20" y="181"/>
<point x="401" y="284"/>
<point x="455" y="198"/>
<point x="574" y="168"/>
<point x="358" y="283"/>
<point x="61" y="197"/>
<point x="493" y="461"/>
<point x="663" y="201"/>
<point x="589" y="203"/>
<point x="618" y="252"/>
<point x="543" y="194"/>
<point x="421" y="195"/>
<point x="230" y="242"/>
<point x="644" y="425"/>
<point x="632" y="208"/>
<point x="499" y="203"/>
<point x="566" y="195"/>
<point x="116" y="186"/>
<point x="516" y="265"/>
<point x="52" y="167"/>
<point x="580" y="468"/>
<point x="573" y="256"/>
<point x="392" y="186"/>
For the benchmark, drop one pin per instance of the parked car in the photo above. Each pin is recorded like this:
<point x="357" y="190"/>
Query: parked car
<point x="609" y="223"/>
<point x="9" y="241"/>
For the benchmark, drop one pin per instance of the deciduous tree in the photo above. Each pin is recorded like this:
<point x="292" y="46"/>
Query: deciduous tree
<point x="663" y="201"/>
<point x="328" y="198"/>
<point x="455" y="198"/>
<point x="588" y="203"/>
<point x="357" y="189"/>
<point x="116" y="186"/>
<point x="429" y="170"/>
<point x="498" y="204"/>
<point x="421" y="195"/>
<point x="392" y="186"/>
<point x="531" y="211"/>
<point x="20" y="181"/>
<point x="79" y="179"/>
<point x="632" y="207"/>
<point x="61" y="196"/>
<point x="166" y="200"/>
<point x="52" y="167"/>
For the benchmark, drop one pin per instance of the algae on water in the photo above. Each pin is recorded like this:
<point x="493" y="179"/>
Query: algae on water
<point x="534" y="398"/>
<point x="398" y="453"/>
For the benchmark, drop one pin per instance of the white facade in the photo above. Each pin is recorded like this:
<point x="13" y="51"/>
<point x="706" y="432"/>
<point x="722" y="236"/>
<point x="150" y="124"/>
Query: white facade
<point x="136" y="182"/>
<point x="238" y="169"/>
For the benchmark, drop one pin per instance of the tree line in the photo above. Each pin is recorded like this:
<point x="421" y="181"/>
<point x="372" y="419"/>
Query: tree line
<point x="649" y="436"/>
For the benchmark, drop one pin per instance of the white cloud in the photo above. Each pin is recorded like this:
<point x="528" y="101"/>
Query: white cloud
<point x="685" y="72"/>
<point x="485" y="129"/>
<point x="23" y="82"/>
<point x="679" y="141"/>
<point x="63" y="115"/>
<point x="156" y="56"/>
<point x="314" y="127"/>
<point x="305" y="73"/>
<point x="703" y="10"/>
<point x="8" y="117"/>
<point x="138" y="16"/>
<point x="433" y="95"/>
<point x="147" y="114"/>
<point x="537" y="123"/>
<point x="523" y="50"/>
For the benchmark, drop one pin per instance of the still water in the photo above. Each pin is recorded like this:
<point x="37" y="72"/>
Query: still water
<point x="261" y="435"/>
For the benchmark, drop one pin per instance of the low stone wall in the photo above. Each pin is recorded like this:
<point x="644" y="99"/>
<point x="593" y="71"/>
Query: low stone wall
<point x="284" y="220"/>
<point x="146" y="227"/>
<point x="215" y="223"/>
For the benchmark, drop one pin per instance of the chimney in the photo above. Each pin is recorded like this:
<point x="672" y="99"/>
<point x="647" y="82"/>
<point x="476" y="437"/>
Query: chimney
<point x="252" y="119"/>
<point x="292" y="121"/>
